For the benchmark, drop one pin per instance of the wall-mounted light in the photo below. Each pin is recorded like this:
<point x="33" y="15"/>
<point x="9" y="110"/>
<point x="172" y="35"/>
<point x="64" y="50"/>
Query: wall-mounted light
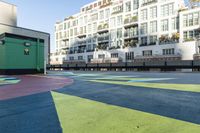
<point x="27" y="44"/>
<point x="2" y="42"/>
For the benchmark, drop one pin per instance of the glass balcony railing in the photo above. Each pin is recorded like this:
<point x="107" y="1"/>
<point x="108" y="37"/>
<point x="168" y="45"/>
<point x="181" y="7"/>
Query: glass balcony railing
<point x="130" y="20"/>
<point x="149" y="2"/>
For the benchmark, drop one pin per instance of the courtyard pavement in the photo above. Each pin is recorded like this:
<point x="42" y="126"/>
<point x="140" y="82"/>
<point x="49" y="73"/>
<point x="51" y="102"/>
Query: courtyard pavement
<point x="96" y="102"/>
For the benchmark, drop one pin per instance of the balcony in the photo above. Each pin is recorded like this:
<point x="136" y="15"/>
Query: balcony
<point x="149" y="2"/>
<point x="103" y="28"/>
<point x="129" y="35"/>
<point x="103" y="39"/>
<point x="169" y="40"/>
<point x="148" y="44"/>
<point x="90" y="50"/>
<point x="114" y="47"/>
<point x="131" y="22"/>
<point x="130" y="43"/>
<point x="106" y="4"/>
<point x="102" y="46"/>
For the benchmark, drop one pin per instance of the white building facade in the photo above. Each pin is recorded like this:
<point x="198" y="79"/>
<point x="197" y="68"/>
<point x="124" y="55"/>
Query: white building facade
<point x="127" y="30"/>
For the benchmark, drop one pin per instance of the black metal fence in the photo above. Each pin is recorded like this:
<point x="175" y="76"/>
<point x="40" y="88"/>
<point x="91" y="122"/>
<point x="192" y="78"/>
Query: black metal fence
<point x="143" y="66"/>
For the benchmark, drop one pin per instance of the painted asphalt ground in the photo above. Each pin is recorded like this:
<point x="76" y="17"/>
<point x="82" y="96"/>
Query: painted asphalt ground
<point x="37" y="114"/>
<point x="30" y="107"/>
<point x="170" y="103"/>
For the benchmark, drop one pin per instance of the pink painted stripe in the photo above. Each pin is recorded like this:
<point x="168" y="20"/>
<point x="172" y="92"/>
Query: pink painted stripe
<point x="32" y="85"/>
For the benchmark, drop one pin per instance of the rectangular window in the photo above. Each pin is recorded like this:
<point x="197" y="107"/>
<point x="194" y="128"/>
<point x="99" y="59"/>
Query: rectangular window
<point x="101" y="56"/>
<point x="128" y="6"/>
<point x="119" y="20"/>
<point x="190" y="17"/>
<point x="107" y="13"/>
<point x="135" y="4"/>
<point x="168" y="51"/>
<point x="144" y="14"/>
<point x="71" y="58"/>
<point x="191" y="34"/>
<point x="185" y="20"/>
<point x="164" y="25"/>
<point x="119" y="33"/>
<point x="153" y="40"/>
<point x="167" y="9"/>
<point x="196" y="18"/>
<point x="80" y="57"/>
<point x="174" y="23"/>
<point x="90" y="57"/>
<point x="143" y="41"/>
<point x="153" y="26"/>
<point x="129" y="56"/>
<point x="153" y="12"/>
<point x="147" y="53"/>
<point x="185" y="35"/>
<point x="101" y="15"/>
<point x="143" y="28"/>
<point x="114" y="55"/>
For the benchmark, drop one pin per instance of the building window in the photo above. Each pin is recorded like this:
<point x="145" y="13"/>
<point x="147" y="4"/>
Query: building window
<point x="144" y="28"/>
<point x="71" y="58"/>
<point x="196" y="18"/>
<point x="185" y="22"/>
<point x="167" y="10"/>
<point x="94" y="27"/>
<point x="168" y="51"/>
<point x="190" y="17"/>
<point x="143" y="41"/>
<point x="119" y="20"/>
<point x="101" y="56"/>
<point x="191" y="34"/>
<point x="80" y="57"/>
<point x="112" y="22"/>
<point x="128" y="6"/>
<point x="101" y="15"/>
<point x="164" y="25"/>
<point x="129" y="56"/>
<point x="153" y="26"/>
<point x="144" y="14"/>
<point x="114" y="55"/>
<point x="153" y="40"/>
<point x="175" y="23"/>
<point x="90" y="57"/>
<point x="185" y="35"/>
<point x="153" y="12"/>
<point x="119" y="33"/>
<point x="147" y="53"/>
<point x="107" y="13"/>
<point x="135" y="4"/>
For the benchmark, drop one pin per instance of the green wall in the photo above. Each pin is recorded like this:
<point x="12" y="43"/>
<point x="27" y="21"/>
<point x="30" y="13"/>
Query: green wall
<point x="12" y="54"/>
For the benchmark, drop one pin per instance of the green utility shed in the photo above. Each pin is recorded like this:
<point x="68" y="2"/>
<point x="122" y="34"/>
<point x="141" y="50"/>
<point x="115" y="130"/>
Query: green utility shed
<point x="21" y="54"/>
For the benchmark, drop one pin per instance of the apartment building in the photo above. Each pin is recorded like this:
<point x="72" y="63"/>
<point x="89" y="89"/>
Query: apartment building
<point x="127" y="30"/>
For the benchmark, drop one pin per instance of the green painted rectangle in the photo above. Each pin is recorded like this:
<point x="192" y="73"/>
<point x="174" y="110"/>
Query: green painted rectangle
<point x="12" y="53"/>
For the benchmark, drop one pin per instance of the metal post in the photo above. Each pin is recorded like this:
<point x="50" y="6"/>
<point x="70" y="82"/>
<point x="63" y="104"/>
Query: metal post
<point x="45" y="67"/>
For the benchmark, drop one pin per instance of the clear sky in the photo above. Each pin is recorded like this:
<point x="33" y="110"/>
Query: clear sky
<point x="42" y="14"/>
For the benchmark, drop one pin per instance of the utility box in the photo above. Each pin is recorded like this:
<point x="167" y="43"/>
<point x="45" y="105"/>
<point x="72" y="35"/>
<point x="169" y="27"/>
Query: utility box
<point x="21" y="54"/>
